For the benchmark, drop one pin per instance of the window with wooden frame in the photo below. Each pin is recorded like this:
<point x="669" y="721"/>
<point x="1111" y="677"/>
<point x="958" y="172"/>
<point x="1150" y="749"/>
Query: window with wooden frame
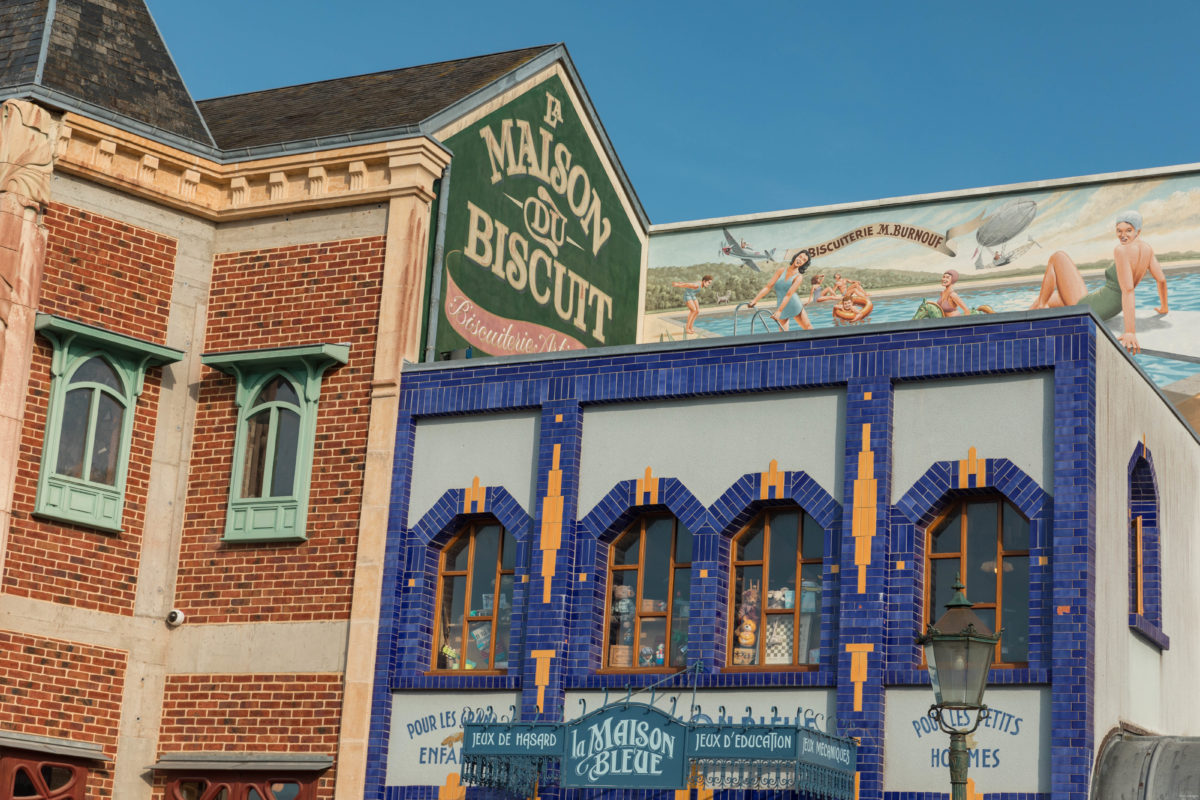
<point x="985" y="540"/>
<point x="41" y="778"/>
<point x="96" y="378"/>
<point x="277" y="393"/>
<point x="649" y="589"/>
<point x="775" y="594"/>
<point x="475" y="599"/>
<point x="240" y="786"/>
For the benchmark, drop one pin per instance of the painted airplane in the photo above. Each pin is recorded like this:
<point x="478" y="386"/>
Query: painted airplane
<point x="735" y="249"/>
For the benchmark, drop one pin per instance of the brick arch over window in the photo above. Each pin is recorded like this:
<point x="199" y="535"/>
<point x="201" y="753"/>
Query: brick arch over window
<point x="944" y="483"/>
<point x="620" y="507"/>
<point x="1145" y="550"/>
<point x="748" y="497"/>
<point x="452" y="512"/>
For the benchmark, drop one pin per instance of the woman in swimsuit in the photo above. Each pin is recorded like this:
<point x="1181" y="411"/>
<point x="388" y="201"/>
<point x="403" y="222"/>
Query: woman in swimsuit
<point x="817" y="293"/>
<point x="786" y="282"/>
<point x="1062" y="285"/>
<point x="950" y="303"/>
<point x="691" y="299"/>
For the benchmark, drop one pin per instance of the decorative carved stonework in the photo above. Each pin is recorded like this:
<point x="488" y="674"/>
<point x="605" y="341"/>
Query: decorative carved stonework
<point x="27" y="138"/>
<point x="283" y="184"/>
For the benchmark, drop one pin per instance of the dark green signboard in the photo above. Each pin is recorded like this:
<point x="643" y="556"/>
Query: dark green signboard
<point x="632" y="745"/>
<point x="539" y="252"/>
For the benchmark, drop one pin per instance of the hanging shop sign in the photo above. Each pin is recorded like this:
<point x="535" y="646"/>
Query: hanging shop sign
<point x="540" y="252"/>
<point x="629" y="745"/>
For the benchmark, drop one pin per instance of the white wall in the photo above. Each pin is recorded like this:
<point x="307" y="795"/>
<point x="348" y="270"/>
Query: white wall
<point x="1134" y="682"/>
<point x="709" y="444"/>
<point x="1007" y="417"/>
<point x="499" y="449"/>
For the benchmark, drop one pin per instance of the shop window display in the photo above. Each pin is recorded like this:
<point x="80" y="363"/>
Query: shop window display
<point x="986" y="542"/>
<point x="475" y="599"/>
<point x="650" y="568"/>
<point x="776" y="592"/>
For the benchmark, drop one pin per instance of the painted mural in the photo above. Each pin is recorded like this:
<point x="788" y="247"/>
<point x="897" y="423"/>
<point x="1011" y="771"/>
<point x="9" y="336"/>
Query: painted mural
<point x="1130" y="250"/>
<point x="540" y="254"/>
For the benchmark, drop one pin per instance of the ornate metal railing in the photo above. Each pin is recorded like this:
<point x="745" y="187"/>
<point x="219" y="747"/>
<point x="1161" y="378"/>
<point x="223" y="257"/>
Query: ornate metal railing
<point x="517" y="775"/>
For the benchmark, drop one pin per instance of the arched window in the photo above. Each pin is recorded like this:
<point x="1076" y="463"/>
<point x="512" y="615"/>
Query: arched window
<point x="96" y="378"/>
<point x="650" y="581"/>
<point x="89" y="442"/>
<point x="475" y="599"/>
<point x="775" y="601"/>
<point x="277" y="394"/>
<point x="985" y="540"/>
<point x="272" y="436"/>
<point x="1145" y="556"/>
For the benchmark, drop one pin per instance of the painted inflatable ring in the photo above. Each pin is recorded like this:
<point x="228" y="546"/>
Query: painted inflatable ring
<point x="859" y="304"/>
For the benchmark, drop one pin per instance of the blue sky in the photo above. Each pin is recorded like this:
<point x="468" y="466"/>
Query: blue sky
<point x="718" y="109"/>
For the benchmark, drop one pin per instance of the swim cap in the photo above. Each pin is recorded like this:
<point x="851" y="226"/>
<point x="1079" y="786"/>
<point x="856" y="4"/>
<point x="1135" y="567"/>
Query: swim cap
<point x="953" y="273"/>
<point x="1132" y="217"/>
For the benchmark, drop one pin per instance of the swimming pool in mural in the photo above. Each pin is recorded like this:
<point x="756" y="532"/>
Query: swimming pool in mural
<point x="1184" y="296"/>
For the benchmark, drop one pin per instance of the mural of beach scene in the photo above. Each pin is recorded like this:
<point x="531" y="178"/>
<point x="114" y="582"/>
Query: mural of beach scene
<point x="1112" y="243"/>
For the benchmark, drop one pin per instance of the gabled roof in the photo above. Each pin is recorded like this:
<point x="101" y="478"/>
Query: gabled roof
<point x="107" y="56"/>
<point x="396" y="98"/>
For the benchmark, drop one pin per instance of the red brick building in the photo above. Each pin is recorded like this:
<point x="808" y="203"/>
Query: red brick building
<point x="204" y="308"/>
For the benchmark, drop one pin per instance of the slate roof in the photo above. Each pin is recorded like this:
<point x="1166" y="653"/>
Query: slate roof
<point x="106" y="53"/>
<point x="381" y="100"/>
<point x="21" y="25"/>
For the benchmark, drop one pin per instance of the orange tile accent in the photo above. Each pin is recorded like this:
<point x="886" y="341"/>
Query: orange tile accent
<point x="1140" y="574"/>
<point x="863" y="524"/>
<point x="703" y="794"/>
<point x="858" y="669"/>
<point x="524" y="579"/>
<point x="771" y="479"/>
<point x="453" y="789"/>
<point x="558" y="417"/>
<point x="412" y="581"/>
<point x="971" y="793"/>
<point x="583" y="577"/>
<point x="835" y="568"/>
<point x="1064" y="610"/>
<point x="475" y="498"/>
<point x="972" y="465"/>
<point x="866" y="395"/>
<point x="1042" y="561"/>
<point x="857" y="775"/>
<point x="703" y="573"/>
<point x="682" y="794"/>
<point x="541" y="677"/>
<point x="552" y="522"/>
<point x="899" y="565"/>
<point x="647" y="489"/>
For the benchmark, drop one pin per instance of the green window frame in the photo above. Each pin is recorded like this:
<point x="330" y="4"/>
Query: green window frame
<point x="277" y="394"/>
<point x="96" y="377"/>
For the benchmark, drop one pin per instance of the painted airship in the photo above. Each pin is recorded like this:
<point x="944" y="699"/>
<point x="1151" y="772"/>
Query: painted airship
<point x="1000" y="228"/>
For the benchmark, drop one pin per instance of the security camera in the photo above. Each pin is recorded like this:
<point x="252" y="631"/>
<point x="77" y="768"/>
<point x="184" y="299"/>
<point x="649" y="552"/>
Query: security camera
<point x="175" y="617"/>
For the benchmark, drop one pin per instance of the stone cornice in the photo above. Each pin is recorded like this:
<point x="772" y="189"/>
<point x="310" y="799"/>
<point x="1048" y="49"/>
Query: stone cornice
<point x="286" y="184"/>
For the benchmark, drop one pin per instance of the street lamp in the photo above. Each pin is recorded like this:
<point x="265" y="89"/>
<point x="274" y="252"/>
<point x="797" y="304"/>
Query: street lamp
<point x="958" y="653"/>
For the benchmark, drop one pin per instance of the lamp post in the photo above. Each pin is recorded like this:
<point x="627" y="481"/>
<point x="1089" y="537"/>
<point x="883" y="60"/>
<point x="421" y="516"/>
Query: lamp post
<point x="958" y="653"/>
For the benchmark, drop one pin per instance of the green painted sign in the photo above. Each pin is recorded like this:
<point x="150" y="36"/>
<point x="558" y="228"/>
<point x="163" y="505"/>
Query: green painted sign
<point x="540" y="254"/>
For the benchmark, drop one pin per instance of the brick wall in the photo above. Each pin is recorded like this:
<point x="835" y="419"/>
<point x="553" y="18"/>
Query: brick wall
<point x="65" y="690"/>
<point x="316" y="293"/>
<point x="259" y="713"/>
<point x="106" y="273"/>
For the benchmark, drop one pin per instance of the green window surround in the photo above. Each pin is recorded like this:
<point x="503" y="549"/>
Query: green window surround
<point x="96" y="377"/>
<point x="277" y="394"/>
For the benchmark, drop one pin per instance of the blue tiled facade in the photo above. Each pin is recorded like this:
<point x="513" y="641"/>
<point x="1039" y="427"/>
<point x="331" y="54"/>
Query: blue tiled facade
<point x="872" y="595"/>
